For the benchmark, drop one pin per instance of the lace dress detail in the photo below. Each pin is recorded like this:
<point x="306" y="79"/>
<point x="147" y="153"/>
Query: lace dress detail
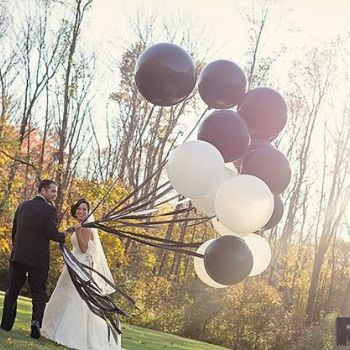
<point x="68" y="320"/>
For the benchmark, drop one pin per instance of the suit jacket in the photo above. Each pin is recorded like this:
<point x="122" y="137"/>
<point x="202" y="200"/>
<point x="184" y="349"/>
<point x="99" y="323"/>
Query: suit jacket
<point x="34" y="225"/>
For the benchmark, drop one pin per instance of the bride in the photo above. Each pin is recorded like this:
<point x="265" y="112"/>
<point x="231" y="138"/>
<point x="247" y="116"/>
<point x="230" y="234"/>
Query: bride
<point x="67" y="319"/>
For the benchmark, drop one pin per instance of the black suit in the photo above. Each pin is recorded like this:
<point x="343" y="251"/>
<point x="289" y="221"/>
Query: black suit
<point x="34" y="225"/>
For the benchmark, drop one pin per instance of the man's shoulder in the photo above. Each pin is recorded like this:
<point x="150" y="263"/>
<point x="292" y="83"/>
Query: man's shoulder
<point x="38" y="202"/>
<point x="25" y="204"/>
<point x="51" y="208"/>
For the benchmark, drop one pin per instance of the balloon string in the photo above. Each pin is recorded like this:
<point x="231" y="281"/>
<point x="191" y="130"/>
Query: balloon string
<point x="198" y="121"/>
<point x="130" y="195"/>
<point x="170" y="247"/>
<point x="131" y="155"/>
<point x="126" y="198"/>
<point x="187" y="137"/>
<point x="156" y="171"/>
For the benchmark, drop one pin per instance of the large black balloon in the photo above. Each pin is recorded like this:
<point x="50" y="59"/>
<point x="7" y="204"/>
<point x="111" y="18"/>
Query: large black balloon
<point x="265" y="112"/>
<point x="270" y="165"/>
<point x="227" y="131"/>
<point x="222" y="84"/>
<point x="260" y="144"/>
<point x="228" y="260"/>
<point x="277" y="213"/>
<point x="165" y="74"/>
<point x="254" y="144"/>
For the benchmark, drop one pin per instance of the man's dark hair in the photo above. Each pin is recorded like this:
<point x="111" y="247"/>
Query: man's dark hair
<point x="45" y="184"/>
<point x="74" y="207"/>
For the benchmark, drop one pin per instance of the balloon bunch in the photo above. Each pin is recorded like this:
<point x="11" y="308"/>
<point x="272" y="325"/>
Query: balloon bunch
<point x="165" y="75"/>
<point x="239" y="131"/>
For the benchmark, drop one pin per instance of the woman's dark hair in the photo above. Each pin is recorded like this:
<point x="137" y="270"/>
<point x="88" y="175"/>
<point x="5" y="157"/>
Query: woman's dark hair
<point x="74" y="207"/>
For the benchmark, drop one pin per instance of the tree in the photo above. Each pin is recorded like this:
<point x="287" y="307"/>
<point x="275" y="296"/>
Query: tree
<point x="336" y="196"/>
<point x="74" y="103"/>
<point x="258" y="17"/>
<point x="35" y="60"/>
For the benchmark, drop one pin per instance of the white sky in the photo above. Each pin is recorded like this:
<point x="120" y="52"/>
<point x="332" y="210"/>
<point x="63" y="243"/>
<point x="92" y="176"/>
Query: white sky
<point x="312" y="21"/>
<point x="317" y="19"/>
<point x="293" y="24"/>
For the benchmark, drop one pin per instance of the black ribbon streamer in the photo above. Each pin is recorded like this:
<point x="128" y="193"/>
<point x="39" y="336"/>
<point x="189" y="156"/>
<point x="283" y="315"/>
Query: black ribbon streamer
<point x="131" y="215"/>
<point x="174" y="246"/>
<point x="103" y="305"/>
<point x="100" y="304"/>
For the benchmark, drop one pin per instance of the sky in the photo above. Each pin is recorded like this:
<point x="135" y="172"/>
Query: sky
<point x="317" y="20"/>
<point x="293" y="25"/>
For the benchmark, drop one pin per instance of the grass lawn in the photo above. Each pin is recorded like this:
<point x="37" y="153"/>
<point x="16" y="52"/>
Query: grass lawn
<point x="133" y="338"/>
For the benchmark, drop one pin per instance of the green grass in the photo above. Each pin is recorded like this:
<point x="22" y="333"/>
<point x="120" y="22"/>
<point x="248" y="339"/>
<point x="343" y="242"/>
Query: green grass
<point x="133" y="338"/>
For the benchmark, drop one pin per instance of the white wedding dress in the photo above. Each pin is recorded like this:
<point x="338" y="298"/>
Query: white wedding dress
<point x="68" y="320"/>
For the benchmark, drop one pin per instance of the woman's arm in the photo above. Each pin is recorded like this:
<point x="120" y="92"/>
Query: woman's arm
<point x="83" y="236"/>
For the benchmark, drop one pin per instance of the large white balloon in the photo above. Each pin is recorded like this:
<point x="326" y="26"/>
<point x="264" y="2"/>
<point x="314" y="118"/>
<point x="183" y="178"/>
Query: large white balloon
<point x="200" y="268"/>
<point x="261" y="253"/>
<point x="223" y="230"/>
<point x="206" y="204"/>
<point x="195" y="169"/>
<point x="244" y="203"/>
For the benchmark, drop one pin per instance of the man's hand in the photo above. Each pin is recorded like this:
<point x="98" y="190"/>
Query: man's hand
<point x="77" y="227"/>
<point x="69" y="230"/>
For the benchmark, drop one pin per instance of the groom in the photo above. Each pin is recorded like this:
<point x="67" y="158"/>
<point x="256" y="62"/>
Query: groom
<point x="34" y="225"/>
